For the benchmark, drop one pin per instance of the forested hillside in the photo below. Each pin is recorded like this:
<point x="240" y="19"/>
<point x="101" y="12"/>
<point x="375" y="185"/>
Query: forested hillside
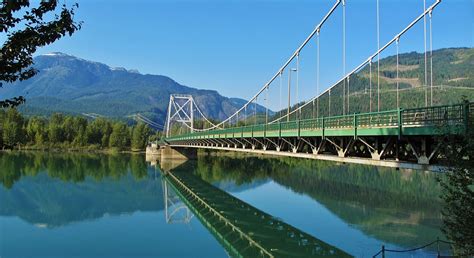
<point x="69" y="84"/>
<point x="453" y="81"/>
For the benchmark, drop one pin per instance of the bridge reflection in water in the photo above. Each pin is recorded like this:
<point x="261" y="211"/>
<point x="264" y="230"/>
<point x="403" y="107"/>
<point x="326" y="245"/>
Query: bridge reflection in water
<point x="243" y="230"/>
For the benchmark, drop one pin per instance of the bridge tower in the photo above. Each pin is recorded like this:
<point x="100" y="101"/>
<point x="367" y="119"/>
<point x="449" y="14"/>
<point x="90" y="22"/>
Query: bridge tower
<point x="175" y="210"/>
<point x="180" y="109"/>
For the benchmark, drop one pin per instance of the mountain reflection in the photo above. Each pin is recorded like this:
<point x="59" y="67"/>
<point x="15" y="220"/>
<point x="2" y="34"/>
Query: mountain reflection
<point x="57" y="189"/>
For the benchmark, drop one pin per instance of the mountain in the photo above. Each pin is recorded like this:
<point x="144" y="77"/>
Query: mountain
<point x="451" y="67"/>
<point x="73" y="85"/>
<point x="453" y="81"/>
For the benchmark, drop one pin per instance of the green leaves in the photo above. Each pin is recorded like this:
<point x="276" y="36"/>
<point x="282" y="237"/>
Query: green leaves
<point x="140" y="136"/>
<point x="70" y="132"/>
<point x="120" y="137"/>
<point x="458" y="193"/>
<point x="12" y="128"/>
<point x="16" y="54"/>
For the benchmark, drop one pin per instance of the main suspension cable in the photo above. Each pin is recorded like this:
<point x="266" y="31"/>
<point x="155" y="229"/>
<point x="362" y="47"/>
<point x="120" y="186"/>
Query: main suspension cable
<point x="390" y="42"/>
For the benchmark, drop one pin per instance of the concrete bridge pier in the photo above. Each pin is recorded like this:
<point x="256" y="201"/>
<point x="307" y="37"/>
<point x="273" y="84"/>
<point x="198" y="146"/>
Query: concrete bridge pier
<point x="168" y="152"/>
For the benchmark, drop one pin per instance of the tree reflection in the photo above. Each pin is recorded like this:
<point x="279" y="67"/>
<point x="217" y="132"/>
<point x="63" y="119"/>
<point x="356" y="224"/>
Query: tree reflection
<point x="54" y="189"/>
<point x="74" y="167"/>
<point x="398" y="206"/>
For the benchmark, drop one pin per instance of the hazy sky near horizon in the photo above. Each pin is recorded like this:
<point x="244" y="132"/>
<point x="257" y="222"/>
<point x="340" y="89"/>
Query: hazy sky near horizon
<point x="235" y="46"/>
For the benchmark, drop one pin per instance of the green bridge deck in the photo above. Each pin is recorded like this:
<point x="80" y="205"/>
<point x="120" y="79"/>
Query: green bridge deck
<point x="243" y="230"/>
<point x="407" y="122"/>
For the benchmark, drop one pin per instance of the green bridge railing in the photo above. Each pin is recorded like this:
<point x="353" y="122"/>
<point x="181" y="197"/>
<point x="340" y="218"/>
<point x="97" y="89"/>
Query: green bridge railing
<point x="413" y="121"/>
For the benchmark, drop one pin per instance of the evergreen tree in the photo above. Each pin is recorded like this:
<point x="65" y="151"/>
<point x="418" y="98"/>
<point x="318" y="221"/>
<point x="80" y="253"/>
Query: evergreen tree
<point x="120" y="137"/>
<point x="55" y="128"/>
<point x="140" y="135"/>
<point x="80" y="127"/>
<point x="458" y="193"/>
<point x="2" y="119"/>
<point x="98" y="132"/>
<point x="13" y="133"/>
<point x="36" y="130"/>
<point x="69" y="129"/>
<point x="106" y="131"/>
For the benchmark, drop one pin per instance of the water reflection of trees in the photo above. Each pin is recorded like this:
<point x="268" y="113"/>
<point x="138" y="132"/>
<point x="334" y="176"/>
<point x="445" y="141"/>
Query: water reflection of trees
<point x="74" y="167"/>
<point x="401" y="207"/>
<point x="55" y="189"/>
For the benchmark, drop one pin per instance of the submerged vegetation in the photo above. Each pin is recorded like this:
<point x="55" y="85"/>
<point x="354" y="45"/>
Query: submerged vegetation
<point x="70" y="132"/>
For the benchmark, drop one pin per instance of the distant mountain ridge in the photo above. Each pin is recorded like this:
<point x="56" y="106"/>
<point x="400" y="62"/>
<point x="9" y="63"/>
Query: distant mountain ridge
<point x="73" y="85"/>
<point x="70" y="84"/>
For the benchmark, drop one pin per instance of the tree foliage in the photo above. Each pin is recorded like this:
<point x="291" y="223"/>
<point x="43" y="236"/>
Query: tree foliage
<point x="12" y="129"/>
<point x="140" y="134"/>
<point x="16" y="54"/>
<point x="458" y="193"/>
<point x="65" y="131"/>
<point x="120" y="136"/>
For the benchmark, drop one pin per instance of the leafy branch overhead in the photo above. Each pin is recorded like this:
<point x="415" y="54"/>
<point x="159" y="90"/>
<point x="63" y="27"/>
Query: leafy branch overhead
<point x="27" y="29"/>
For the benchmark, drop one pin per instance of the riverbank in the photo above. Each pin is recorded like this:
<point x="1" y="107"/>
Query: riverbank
<point x="65" y="148"/>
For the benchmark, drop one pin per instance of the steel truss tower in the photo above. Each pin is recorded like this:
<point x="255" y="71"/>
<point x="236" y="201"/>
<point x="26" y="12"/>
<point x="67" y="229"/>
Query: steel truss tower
<point x="180" y="109"/>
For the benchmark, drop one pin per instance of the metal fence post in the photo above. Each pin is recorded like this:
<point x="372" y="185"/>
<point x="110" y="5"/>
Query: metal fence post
<point x="437" y="246"/>
<point x="279" y="130"/>
<point x="383" y="251"/>
<point x="355" y="126"/>
<point x="324" y="125"/>
<point x="299" y="124"/>
<point x="399" y="123"/>
<point x="466" y="117"/>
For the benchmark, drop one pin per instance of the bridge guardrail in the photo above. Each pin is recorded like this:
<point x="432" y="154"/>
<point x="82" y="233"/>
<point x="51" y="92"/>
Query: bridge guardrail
<point x="339" y="122"/>
<point x="311" y="124"/>
<point x="384" y="118"/>
<point x="434" y="115"/>
<point x="459" y="114"/>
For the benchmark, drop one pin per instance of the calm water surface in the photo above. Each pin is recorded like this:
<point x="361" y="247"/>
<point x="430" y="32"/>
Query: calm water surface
<point x="81" y="205"/>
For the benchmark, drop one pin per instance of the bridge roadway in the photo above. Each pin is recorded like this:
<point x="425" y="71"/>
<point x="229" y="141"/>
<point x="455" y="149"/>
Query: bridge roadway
<point x="243" y="230"/>
<point x="406" y="138"/>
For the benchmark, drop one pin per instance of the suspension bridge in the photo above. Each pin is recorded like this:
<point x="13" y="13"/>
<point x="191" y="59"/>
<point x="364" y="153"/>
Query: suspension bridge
<point x="367" y="116"/>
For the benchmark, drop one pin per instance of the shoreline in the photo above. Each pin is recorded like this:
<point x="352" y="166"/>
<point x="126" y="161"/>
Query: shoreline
<point x="74" y="150"/>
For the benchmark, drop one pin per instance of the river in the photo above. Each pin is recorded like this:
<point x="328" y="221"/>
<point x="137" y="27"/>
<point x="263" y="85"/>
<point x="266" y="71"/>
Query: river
<point x="97" y="205"/>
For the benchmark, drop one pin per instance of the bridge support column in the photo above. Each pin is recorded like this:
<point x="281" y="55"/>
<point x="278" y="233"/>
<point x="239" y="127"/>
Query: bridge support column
<point x="375" y="155"/>
<point x="318" y="148"/>
<point x="423" y="158"/>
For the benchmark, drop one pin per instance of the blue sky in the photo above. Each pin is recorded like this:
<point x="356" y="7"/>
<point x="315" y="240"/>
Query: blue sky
<point x="235" y="46"/>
